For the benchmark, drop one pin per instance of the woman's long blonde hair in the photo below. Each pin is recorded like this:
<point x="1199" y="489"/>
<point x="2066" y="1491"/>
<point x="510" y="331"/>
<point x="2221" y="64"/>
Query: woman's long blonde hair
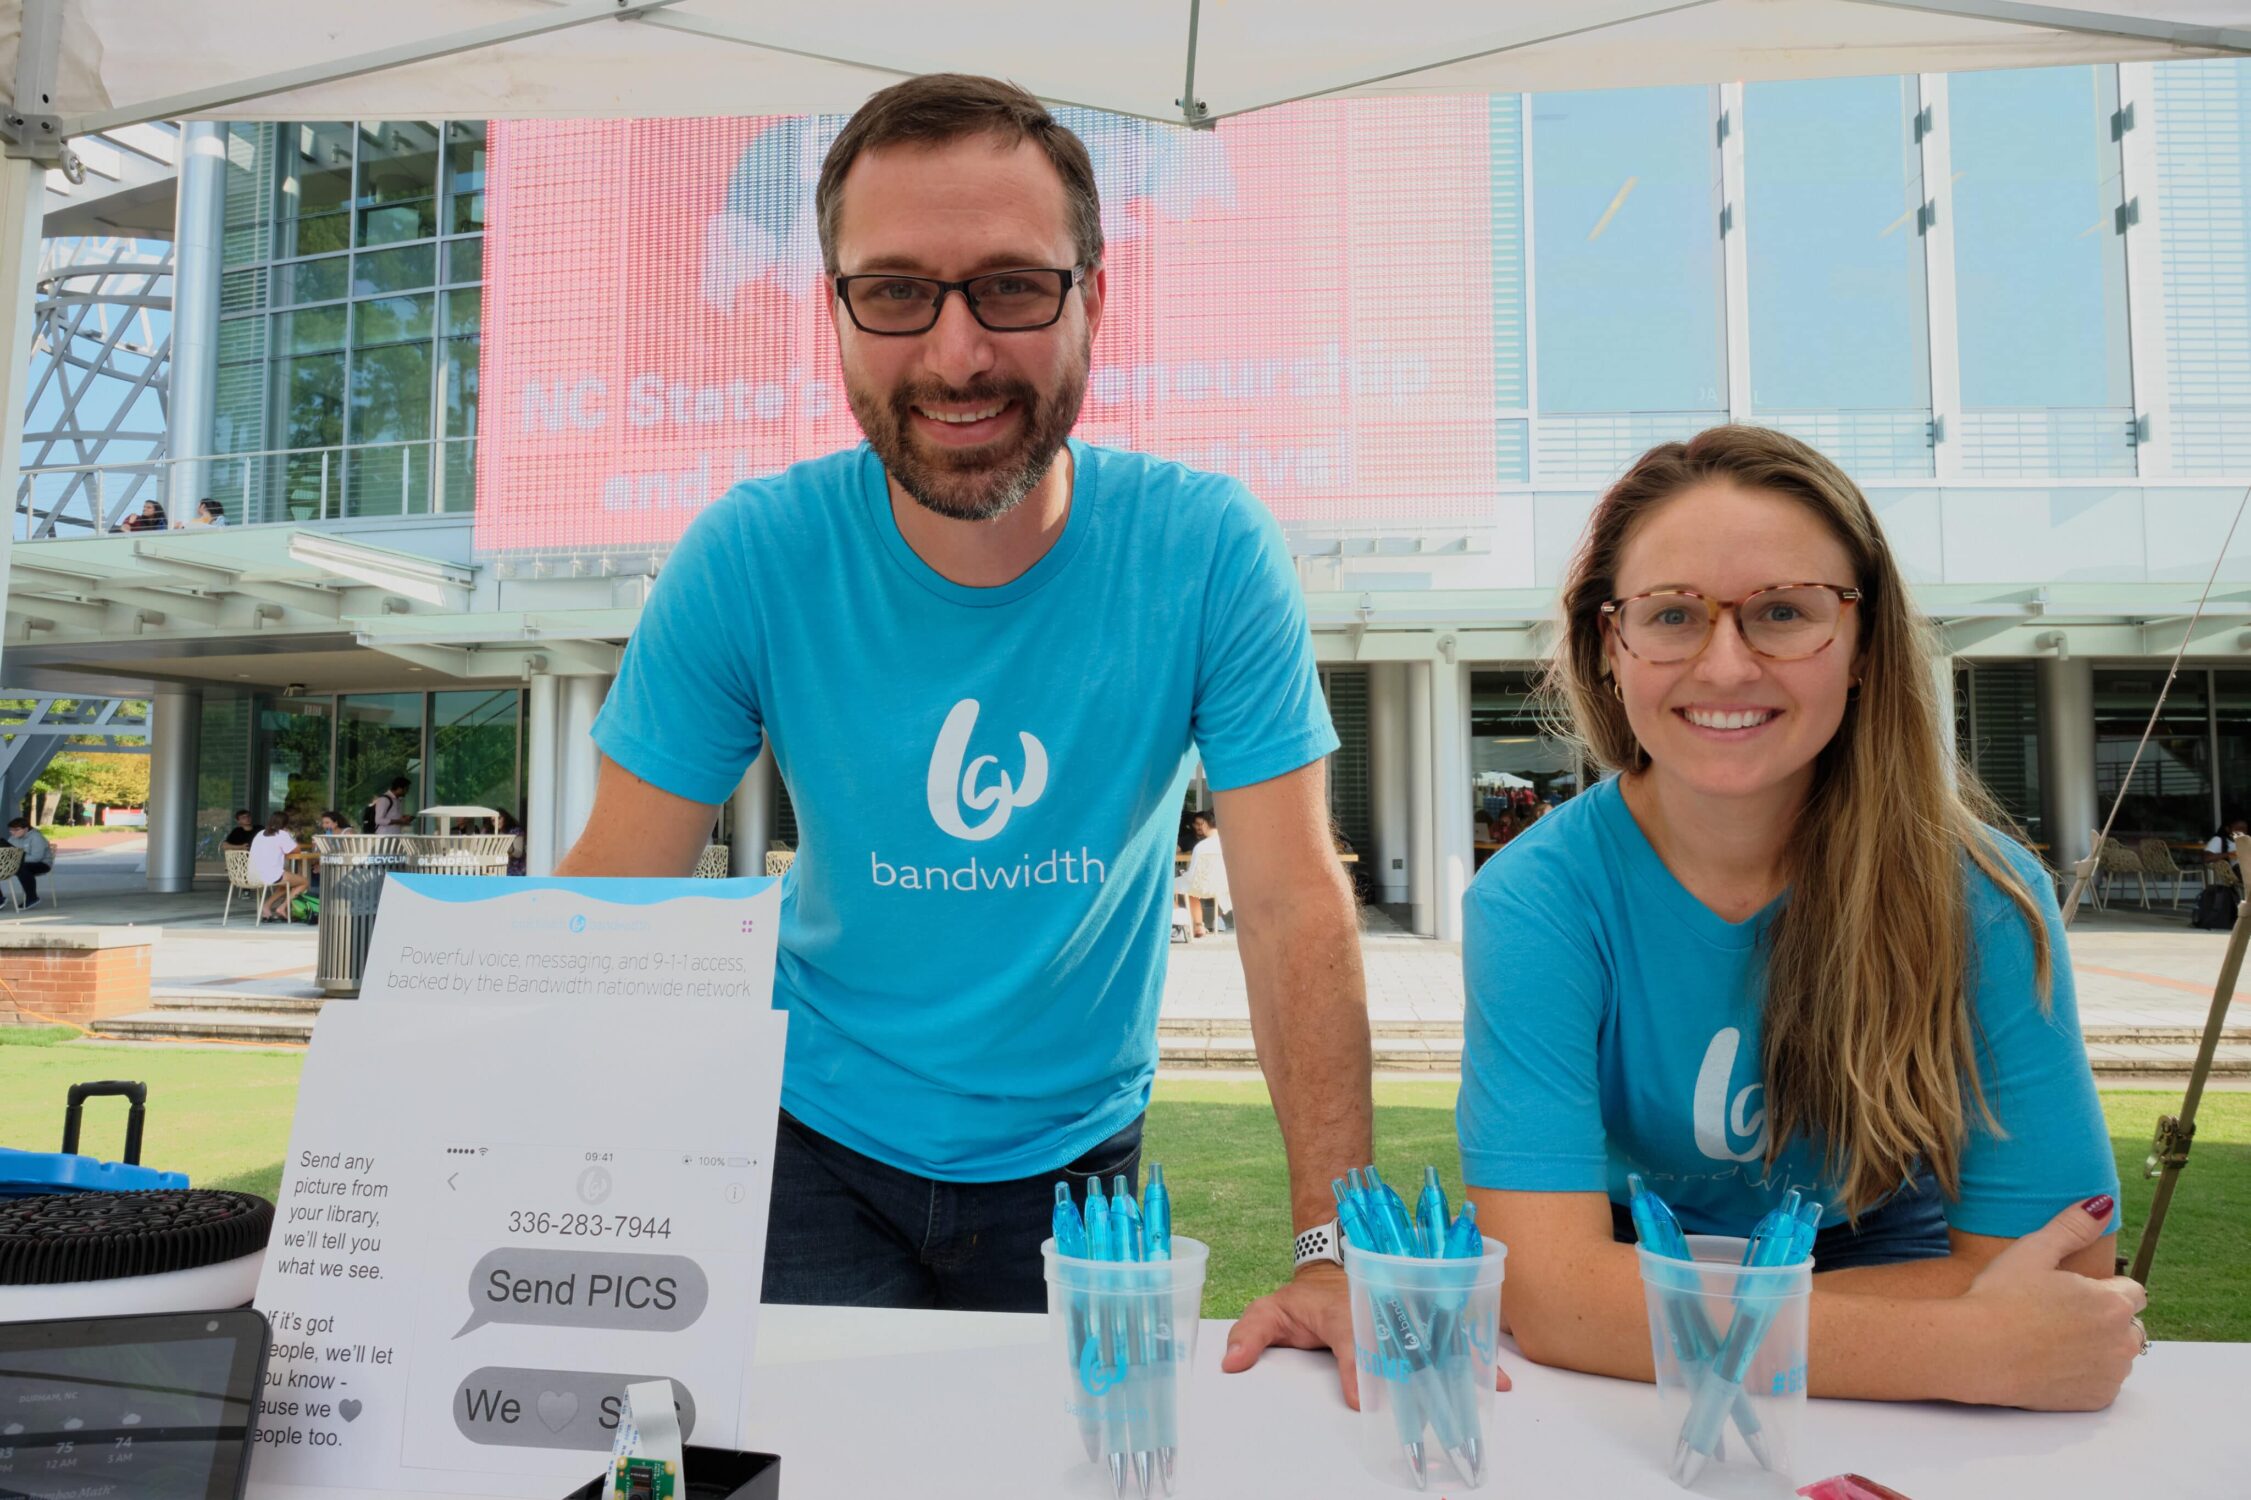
<point x="1870" y="1043"/>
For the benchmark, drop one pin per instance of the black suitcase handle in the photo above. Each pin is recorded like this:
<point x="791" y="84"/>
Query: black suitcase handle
<point x="74" y="1113"/>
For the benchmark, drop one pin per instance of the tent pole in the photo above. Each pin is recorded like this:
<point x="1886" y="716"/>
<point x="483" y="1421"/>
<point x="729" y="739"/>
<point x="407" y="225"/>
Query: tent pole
<point x="1192" y="108"/>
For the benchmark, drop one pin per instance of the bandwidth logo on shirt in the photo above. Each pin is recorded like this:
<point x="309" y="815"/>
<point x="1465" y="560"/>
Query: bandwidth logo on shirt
<point x="953" y="786"/>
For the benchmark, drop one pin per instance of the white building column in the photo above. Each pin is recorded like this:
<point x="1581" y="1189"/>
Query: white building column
<point x="1942" y="688"/>
<point x="23" y="207"/>
<point x="197" y="257"/>
<point x="580" y="761"/>
<point x="542" y="773"/>
<point x="1453" y="850"/>
<point x="753" y="815"/>
<point x="1421" y="881"/>
<point x="1388" y="778"/>
<point x="2067" y="760"/>
<point x="175" y="733"/>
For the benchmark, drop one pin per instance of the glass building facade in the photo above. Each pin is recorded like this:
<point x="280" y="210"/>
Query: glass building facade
<point x="351" y="309"/>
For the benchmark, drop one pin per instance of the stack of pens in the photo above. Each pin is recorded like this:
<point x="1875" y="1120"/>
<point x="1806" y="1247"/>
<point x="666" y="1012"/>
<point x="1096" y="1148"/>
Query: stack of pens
<point x="1424" y="1331"/>
<point x="1127" y="1312"/>
<point x="1771" y="1282"/>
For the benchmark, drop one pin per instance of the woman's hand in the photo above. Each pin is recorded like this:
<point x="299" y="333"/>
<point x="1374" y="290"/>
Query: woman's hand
<point x="2048" y="1338"/>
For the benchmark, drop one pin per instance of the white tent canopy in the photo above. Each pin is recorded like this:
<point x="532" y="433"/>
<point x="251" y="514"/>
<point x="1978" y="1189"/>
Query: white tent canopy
<point x="121" y="61"/>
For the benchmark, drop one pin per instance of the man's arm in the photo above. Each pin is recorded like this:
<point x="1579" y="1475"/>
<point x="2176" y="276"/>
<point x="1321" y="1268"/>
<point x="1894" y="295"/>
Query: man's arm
<point x="1300" y="940"/>
<point x="638" y="829"/>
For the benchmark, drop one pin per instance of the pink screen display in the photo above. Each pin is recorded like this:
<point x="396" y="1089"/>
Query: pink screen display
<point x="1303" y="299"/>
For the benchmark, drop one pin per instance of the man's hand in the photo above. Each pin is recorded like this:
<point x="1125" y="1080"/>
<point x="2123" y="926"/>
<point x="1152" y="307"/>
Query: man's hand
<point x="1313" y="1310"/>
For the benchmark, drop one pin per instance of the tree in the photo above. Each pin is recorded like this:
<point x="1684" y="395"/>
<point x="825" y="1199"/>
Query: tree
<point x="105" y="780"/>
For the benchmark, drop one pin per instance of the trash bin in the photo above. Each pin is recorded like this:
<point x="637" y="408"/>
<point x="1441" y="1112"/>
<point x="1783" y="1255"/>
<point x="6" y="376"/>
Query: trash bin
<point x="352" y="867"/>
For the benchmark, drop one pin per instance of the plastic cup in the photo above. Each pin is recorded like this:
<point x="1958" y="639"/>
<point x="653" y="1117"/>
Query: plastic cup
<point x="1423" y="1333"/>
<point x="1124" y="1338"/>
<point x="1729" y="1341"/>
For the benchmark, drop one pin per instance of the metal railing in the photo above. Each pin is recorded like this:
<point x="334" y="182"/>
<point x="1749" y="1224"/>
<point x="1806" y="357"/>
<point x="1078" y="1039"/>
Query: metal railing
<point x="274" y="486"/>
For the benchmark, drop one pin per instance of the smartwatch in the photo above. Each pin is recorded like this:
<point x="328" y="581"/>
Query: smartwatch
<point x="1321" y="1242"/>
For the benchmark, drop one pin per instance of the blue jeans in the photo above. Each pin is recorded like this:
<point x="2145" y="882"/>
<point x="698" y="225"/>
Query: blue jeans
<point x="1909" y="1225"/>
<point x="847" y="1230"/>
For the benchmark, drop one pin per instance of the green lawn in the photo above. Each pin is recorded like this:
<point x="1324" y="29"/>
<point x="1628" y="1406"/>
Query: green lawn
<point x="223" y="1117"/>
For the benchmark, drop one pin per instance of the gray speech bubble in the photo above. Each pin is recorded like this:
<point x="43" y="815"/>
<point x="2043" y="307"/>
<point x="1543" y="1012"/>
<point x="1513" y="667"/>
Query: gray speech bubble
<point x="586" y="1289"/>
<point x="502" y="1406"/>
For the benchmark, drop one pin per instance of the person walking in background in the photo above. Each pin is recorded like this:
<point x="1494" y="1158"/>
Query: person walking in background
<point x="389" y="809"/>
<point x="38" y="858"/>
<point x="1205" y="879"/>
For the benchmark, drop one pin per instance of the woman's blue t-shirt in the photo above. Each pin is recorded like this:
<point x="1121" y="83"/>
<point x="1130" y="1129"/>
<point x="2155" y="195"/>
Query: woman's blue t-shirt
<point x="1613" y="1027"/>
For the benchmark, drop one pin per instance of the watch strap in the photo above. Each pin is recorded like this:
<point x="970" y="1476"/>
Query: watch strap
<point x="1321" y="1242"/>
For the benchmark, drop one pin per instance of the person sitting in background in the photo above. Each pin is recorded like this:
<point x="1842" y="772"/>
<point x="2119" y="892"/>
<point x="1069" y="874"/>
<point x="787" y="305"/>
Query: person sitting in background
<point x="208" y="513"/>
<point x="239" y="836"/>
<point x="151" y="518"/>
<point x="1205" y="879"/>
<point x="2219" y="852"/>
<point x="513" y="826"/>
<point x="1782" y="948"/>
<point x="269" y="866"/>
<point x="38" y="858"/>
<point x="333" y="821"/>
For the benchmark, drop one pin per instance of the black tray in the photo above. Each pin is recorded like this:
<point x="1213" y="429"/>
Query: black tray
<point x="713" y="1474"/>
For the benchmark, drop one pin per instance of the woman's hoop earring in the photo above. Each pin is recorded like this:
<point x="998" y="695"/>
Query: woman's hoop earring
<point x="1617" y="690"/>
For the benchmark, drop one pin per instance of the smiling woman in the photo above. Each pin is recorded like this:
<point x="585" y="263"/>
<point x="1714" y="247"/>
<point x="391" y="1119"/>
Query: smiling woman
<point x="1783" y="948"/>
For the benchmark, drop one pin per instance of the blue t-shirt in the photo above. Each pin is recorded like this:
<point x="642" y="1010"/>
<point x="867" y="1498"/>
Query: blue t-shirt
<point x="1613" y="1027"/>
<point x="987" y="782"/>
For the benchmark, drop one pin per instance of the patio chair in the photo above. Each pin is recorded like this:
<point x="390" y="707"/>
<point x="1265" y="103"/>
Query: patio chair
<point x="239" y="878"/>
<point x="2118" y="861"/>
<point x="11" y="865"/>
<point x="2157" y="860"/>
<point x="778" y="861"/>
<point x="712" y="863"/>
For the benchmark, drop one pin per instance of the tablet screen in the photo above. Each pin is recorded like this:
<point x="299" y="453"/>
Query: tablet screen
<point x="155" y="1407"/>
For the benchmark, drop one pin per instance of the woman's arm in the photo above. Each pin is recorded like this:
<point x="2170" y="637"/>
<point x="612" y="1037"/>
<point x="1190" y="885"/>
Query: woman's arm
<point x="2023" y="1331"/>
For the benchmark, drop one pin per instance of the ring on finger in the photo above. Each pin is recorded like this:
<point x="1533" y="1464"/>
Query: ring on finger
<point x="2142" y="1329"/>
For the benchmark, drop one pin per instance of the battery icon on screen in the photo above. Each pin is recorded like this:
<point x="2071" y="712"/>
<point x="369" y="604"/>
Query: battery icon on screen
<point x="738" y="1161"/>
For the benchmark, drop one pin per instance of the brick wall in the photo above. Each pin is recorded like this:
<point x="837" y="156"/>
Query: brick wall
<point x="78" y="985"/>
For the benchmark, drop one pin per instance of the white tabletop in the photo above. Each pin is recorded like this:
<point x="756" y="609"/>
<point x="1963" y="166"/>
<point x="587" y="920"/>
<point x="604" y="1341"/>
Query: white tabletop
<point x="865" y="1404"/>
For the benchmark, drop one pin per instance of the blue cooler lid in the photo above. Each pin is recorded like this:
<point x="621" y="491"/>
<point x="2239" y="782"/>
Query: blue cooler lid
<point x="25" y="1173"/>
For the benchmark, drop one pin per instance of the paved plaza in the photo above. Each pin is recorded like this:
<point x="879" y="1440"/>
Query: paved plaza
<point x="2144" y="979"/>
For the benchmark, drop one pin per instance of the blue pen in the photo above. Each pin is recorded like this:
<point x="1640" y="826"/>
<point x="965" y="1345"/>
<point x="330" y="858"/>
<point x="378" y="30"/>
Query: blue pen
<point x="1394" y="1210"/>
<point x="1352" y="1220"/>
<point x="1782" y="1238"/>
<point x="1070" y="1240"/>
<point x="1431" y="1215"/>
<point x="1691" y="1332"/>
<point x="1156" y="1230"/>
<point x="1126" y="1248"/>
<point x="1449" y="1342"/>
<point x="1109" y="1335"/>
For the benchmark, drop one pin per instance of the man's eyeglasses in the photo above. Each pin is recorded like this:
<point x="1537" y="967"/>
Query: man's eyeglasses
<point x="1003" y="301"/>
<point x="1788" y="622"/>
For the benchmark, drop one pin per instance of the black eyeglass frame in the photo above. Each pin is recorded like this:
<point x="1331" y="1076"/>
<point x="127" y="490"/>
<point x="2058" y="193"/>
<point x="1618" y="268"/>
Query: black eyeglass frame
<point x="1073" y="276"/>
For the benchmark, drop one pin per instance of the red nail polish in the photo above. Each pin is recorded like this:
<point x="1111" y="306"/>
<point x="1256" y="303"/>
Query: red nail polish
<point x="2099" y="1207"/>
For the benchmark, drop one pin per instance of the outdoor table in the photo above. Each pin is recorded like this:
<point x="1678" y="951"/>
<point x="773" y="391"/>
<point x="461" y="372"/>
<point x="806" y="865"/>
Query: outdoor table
<point x="869" y="1404"/>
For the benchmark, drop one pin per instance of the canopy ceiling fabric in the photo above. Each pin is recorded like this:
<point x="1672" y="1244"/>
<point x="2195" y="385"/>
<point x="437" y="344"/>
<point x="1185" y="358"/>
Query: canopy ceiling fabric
<point x="129" y="60"/>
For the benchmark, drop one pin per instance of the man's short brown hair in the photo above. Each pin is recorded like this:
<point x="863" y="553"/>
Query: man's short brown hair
<point x="939" y="108"/>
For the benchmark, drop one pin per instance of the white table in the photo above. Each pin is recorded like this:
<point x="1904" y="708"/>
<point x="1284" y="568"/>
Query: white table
<point x="865" y="1404"/>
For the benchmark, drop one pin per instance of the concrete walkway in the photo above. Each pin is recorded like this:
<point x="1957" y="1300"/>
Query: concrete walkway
<point x="2144" y="980"/>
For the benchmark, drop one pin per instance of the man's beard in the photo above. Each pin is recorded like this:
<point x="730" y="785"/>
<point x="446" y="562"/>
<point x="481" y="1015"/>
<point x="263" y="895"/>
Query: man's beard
<point x="983" y="483"/>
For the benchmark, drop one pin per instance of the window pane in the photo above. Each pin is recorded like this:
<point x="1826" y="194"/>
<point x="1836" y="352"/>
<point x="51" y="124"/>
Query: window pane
<point x="378" y="737"/>
<point x="2171" y="794"/>
<point x="293" y="746"/>
<point x="390" y="320"/>
<point x="473" y="749"/>
<point x="465" y="259"/>
<point x="310" y="332"/>
<point x="465" y="175"/>
<point x="394" y="270"/>
<point x="2041" y="272"/>
<point x="311" y="280"/>
<point x="398" y="181"/>
<point x="309" y="400"/>
<point x="1512" y="750"/>
<point x="2231" y="701"/>
<point x="316" y="190"/>
<point x="390" y="393"/>
<point x="222" y="774"/>
<point x="2202" y="117"/>
<point x="1839" y="352"/>
<point x="1626" y="205"/>
<point x="464" y="310"/>
<point x="460" y="375"/>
